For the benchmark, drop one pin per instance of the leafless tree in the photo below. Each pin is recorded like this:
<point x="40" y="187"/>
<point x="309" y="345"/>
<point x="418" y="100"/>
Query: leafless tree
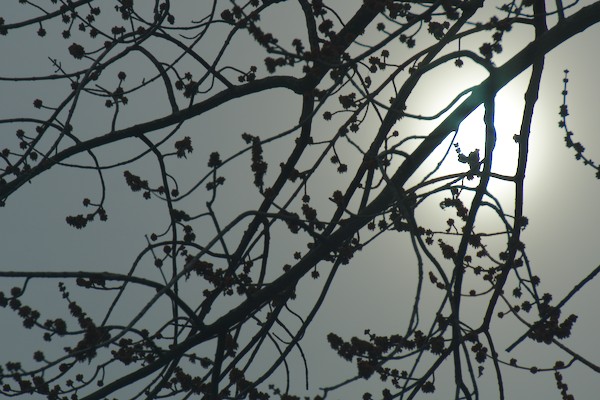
<point x="126" y="90"/>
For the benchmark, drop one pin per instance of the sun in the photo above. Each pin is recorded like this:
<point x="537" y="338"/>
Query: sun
<point x="444" y="165"/>
<point x="471" y="135"/>
<point x="507" y="121"/>
<point x="470" y="138"/>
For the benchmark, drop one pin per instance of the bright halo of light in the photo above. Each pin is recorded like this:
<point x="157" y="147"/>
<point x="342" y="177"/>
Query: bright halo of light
<point x="507" y="120"/>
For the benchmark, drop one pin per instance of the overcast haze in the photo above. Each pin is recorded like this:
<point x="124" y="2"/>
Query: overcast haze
<point x="376" y="289"/>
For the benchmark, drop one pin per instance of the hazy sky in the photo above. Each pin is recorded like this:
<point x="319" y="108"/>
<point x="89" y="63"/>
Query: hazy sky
<point x="376" y="290"/>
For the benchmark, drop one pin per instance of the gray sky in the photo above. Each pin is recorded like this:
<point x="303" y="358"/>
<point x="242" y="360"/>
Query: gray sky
<point x="376" y="290"/>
